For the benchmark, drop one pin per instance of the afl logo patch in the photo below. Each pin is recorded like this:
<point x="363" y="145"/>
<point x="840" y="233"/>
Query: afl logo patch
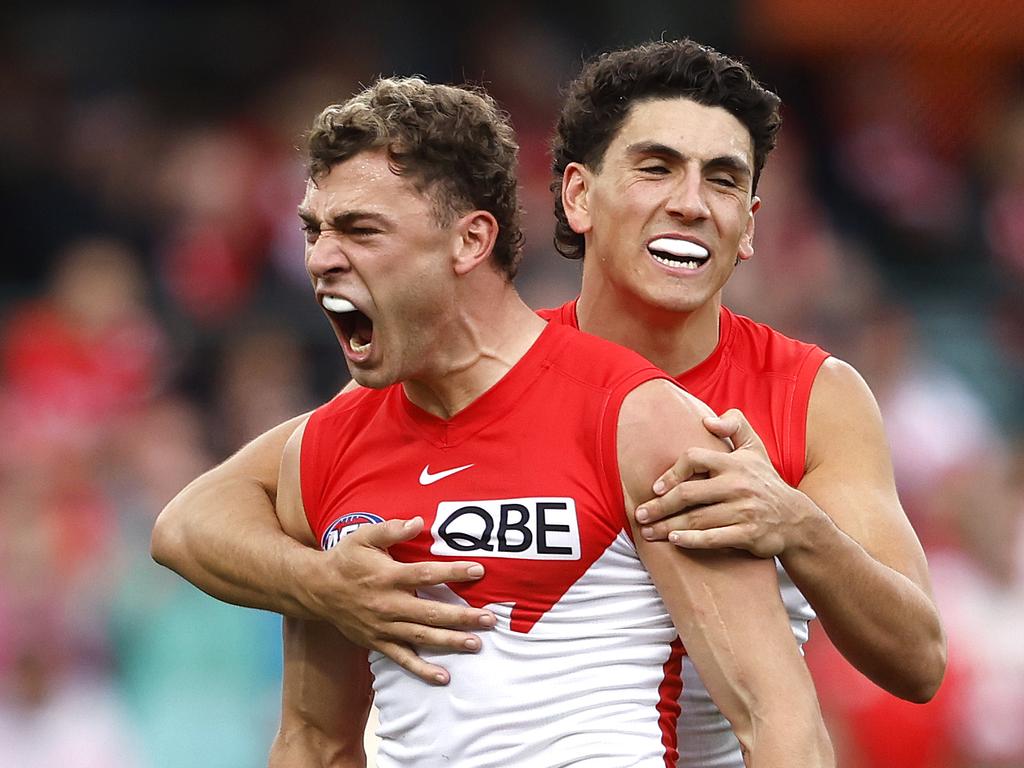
<point x="345" y="525"/>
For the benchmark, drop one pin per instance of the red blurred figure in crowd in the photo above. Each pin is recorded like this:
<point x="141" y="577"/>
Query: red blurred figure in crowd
<point x="83" y="353"/>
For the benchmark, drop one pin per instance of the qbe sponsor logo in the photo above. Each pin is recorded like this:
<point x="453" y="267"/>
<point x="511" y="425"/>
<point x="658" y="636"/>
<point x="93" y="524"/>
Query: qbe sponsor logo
<point x="345" y="525"/>
<point x="543" y="528"/>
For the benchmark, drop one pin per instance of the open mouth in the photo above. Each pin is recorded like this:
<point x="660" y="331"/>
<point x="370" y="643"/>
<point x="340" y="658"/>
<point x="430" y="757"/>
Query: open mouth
<point x="678" y="254"/>
<point x="355" y="326"/>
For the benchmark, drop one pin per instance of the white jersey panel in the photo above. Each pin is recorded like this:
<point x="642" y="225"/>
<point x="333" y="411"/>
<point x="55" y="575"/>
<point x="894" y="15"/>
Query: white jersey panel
<point x="581" y="688"/>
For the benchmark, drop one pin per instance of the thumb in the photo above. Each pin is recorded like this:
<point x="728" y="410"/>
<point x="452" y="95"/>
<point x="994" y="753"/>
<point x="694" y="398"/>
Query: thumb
<point x="733" y="425"/>
<point x="384" y="535"/>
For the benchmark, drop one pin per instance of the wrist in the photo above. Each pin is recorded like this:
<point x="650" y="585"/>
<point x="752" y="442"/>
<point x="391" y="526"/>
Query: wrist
<point x="301" y="568"/>
<point x="811" y="528"/>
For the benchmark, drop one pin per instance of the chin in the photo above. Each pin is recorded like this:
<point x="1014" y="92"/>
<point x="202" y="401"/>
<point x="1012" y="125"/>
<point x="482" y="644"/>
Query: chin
<point x="675" y="301"/>
<point x="372" y="379"/>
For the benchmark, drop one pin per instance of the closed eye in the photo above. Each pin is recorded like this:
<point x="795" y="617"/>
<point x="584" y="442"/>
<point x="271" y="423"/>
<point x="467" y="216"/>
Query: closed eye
<point x="723" y="181"/>
<point x="311" y="232"/>
<point x="657" y="170"/>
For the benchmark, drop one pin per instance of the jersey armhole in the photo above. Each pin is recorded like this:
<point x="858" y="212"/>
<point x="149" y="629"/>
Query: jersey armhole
<point x="310" y="472"/>
<point x="796" y="422"/>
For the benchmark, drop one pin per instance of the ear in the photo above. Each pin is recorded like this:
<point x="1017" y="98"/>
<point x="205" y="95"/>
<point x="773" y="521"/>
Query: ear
<point x="747" y="238"/>
<point x="476" y="232"/>
<point x="575" y="187"/>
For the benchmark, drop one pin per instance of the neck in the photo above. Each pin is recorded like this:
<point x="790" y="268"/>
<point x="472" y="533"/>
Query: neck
<point x="478" y="346"/>
<point x="674" y="341"/>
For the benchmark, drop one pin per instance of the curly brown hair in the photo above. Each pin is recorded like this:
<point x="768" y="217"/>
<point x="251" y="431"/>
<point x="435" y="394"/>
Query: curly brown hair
<point x="453" y="142"/>
<point x="600" y="98"/>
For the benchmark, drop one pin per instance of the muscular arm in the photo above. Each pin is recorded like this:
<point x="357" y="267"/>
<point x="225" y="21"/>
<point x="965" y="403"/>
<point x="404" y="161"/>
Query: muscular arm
<point x="842" y="535"/>
<point x="325" y="699"/>
<point x="725" y="603"/>
<point x="861" y="565"/>
<point x="326" y="684"/>
<point x="222" y="534"/>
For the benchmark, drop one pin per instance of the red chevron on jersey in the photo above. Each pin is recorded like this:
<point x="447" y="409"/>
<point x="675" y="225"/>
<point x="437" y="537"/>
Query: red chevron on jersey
<point x="516" y="439"/>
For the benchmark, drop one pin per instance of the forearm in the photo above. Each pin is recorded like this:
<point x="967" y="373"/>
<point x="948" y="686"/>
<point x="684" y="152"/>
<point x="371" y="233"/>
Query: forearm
<point x="881" y="621"/>
<point x="731" y="620"/>
<point x="724" y="603"/>
<point x="221" y="534"/>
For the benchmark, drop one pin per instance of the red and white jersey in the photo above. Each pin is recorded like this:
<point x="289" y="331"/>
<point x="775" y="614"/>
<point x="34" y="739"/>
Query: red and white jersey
<point x="583" y="665"/>
<point x="768" y="376"/>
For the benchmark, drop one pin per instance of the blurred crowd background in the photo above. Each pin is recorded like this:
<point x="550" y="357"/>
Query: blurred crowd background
<point x="154" y="316"/>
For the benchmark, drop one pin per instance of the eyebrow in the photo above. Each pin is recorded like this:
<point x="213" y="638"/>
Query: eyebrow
<point x="732" y="163"/>
<point x="729" y="163"/>
<point x="340" y="220"/>
<point x="654" y="148"/>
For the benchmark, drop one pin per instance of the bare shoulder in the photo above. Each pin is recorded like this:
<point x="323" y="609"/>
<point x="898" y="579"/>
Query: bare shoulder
<point x="849" y="470"/>
<point x="662" y="414"/>
<point x="653" y="400"/>
<point x="842" y="404"/>
<point x="837" y="381"/>
<point x="658" y="422"/>
<point x="259" y="459"/>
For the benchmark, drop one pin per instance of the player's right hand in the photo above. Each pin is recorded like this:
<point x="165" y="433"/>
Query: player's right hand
<point x="372" y="600"/>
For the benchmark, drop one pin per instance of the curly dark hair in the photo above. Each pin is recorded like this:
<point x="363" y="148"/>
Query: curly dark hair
<point x="600" y="98"/>
<point x="453" y="142"/>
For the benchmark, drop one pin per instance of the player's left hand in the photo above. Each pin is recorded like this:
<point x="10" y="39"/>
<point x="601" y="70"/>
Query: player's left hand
<point x="713" y="500"/>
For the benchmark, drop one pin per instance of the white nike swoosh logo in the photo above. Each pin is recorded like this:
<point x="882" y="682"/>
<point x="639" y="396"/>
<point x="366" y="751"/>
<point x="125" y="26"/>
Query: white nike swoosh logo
<point x="426" y="478"/>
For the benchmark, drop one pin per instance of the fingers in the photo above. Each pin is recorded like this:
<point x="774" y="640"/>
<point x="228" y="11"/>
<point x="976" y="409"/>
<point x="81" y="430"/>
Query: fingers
<point x="428" y="574"/>
<point x="692" y="464"/>
<point x="412" y="575"/>
<point x="727" y="424"/>
<point x="406" y="637"/>
<point x="695" y="519"/>
<point x="384" y="535"/>
<point x="406" y="658"/>
<point x="401" y="575"/>
<point x="734" y="425"/>
<point x="679" y="496"/>
<point x="420" y="637"/>
<point x="418" y="623"/>
<point x="733" y="536"/>
<point x="717" y="526"/>
<point x="432" y="613"/>
<point x="740" y="536"/>
<point x="724" y="525"/>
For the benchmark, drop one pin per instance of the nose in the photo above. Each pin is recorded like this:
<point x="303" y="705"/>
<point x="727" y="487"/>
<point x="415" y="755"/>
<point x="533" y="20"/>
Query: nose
<point x="686" y="198"/>
<point x="326" y="257"/>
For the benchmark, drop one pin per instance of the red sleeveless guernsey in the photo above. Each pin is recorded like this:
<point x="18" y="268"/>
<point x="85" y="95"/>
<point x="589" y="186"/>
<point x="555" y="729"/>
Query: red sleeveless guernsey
<point x="755" y="368"/>
<point x="768" y="376"/>
<point x="581" y="667"/>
